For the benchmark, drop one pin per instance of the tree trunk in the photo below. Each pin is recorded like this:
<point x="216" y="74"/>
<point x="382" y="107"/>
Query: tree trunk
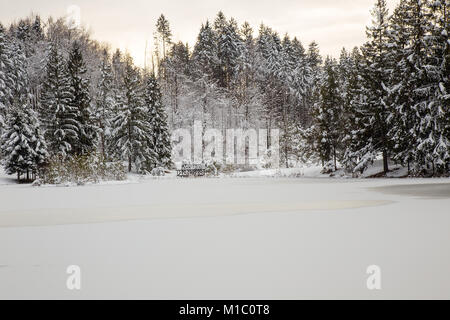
<point x="286" y="155"/>
<point x="102" y="142"/>
<point x="129" y="163"/>
<point x="385" y="162"/>
<point x="334" y="156"/>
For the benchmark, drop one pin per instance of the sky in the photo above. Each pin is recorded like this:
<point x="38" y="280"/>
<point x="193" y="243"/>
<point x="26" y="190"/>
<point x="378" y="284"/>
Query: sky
<point x="129" y="24"/>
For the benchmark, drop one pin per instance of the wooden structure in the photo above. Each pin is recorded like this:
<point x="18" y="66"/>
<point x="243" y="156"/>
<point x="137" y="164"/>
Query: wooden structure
<point x="192" y="170"/>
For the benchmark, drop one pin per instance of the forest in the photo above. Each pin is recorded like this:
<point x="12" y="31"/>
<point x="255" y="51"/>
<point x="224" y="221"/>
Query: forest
<point x="66" y="96"/>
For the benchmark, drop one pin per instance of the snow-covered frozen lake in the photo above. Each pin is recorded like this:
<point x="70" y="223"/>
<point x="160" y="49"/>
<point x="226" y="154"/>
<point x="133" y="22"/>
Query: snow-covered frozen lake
<point x="233" y="238"/>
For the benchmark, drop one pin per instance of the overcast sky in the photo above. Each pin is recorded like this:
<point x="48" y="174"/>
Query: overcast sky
<point x="128" y="23"/>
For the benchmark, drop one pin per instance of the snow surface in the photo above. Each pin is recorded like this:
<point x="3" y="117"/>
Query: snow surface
<point x="239" y="238"/>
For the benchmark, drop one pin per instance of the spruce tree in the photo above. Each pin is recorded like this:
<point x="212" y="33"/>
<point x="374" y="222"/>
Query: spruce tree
<point x="229" y="45"/>
<point x="314" y="58"/>
<point x="58" y="113"/>
<point x="314" y="63"/>
<point x="164" y="34"/>
<point x="350" y="83"/>
<point x="285" y="74"/>
<point x="18" y="76"/>
<point x="23" y="31"/>
<point x="23" y="145"/>
<point x="176" y="72"/>
<point x="105" y="104"/>
<point x="6" y="81"/>
<point x="418" y="79"/>
<point x="118" y="70"/>
<point x="302" y="80"/>
<point x="400" y="92"/>
<point x="204" y="57"/>
<point x="268" y="64"/>
<point x="160" y="142"/>
<point x="417" y="84"/>
<point x="375" y="73"/>
<point x="37" y="32"/>
<point x="131" y="128"/>
<point x="81" y="102"/>
<point x="205" y="68"/>
<point x="248" y="91"/>
<point x="435" y="117"/>
<point x="327" y="116"/>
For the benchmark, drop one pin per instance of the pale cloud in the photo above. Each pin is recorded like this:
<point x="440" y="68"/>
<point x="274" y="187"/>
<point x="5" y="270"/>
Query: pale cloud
<point x="129" y="24"/>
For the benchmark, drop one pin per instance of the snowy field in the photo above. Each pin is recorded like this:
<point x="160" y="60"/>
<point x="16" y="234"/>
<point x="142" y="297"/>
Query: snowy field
<point x="234" y="238"/>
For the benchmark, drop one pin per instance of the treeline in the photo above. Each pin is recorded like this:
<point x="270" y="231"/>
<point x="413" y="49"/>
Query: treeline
<point x="62" y="96"/>
<point x="387" y="99"/>
<point x="391" y="97"/>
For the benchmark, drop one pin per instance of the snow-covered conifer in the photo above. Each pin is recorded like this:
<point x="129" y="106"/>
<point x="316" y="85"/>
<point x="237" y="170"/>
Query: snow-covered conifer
<point x="376" y="74"/>
<point x="105" y="104"/>
<point x="58" y="113"/>
<point x="160" y="142"/>
<point x="81" y="102"/>
<point x="131" y="128"/>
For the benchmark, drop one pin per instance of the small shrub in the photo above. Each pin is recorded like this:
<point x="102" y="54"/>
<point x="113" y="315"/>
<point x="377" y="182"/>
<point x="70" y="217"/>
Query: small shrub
<point x="158" y="172"/>
<point x="269" y="160"/>
<point x="81" y="170"/>
<point x="212" y="168"/>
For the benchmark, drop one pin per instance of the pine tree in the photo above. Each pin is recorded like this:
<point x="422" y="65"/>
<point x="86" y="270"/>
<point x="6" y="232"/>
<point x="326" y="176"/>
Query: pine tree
<point x="131" y="129"/>
<point x="314" y="63"/>
<point x="229" y="46"/>
<point x="302" y="81"/>
<point x="434" y="138"/>
<point x="118" y="71"/>
<point x="105" y="104"/>
<point x="268" y="63"/>
<point x="418" y="81"/>
<point x="419" y="40"/>
<point x="247" y="89"/>
<point x="18" y="71"/>
<point x="164" y="35"/>
<point x="285" y="74"/>
<point x="376" y="74"/>
<point x="176" y="72"/>
<point x="15" y="143"/>
<point x="327" y="116"/>
<point x="6" y="82"/>
<point x="205" y="66"/>
<point x="60" y="117"/>
<point x="314" y="58"/>
<point x="22" y="144"/>
<point x="269" y="50"/>
<point x="204" y="57"/>
<point x="400" y="92"/>
<point x="81" y="102"/>
<point x="350" y="83"/>
<point x="160" y="142"/>
<point x="23" y="31"/>
<point x="288" y="61"/>
<point x="274" y="93"/>
<point x="36" y="29"/>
